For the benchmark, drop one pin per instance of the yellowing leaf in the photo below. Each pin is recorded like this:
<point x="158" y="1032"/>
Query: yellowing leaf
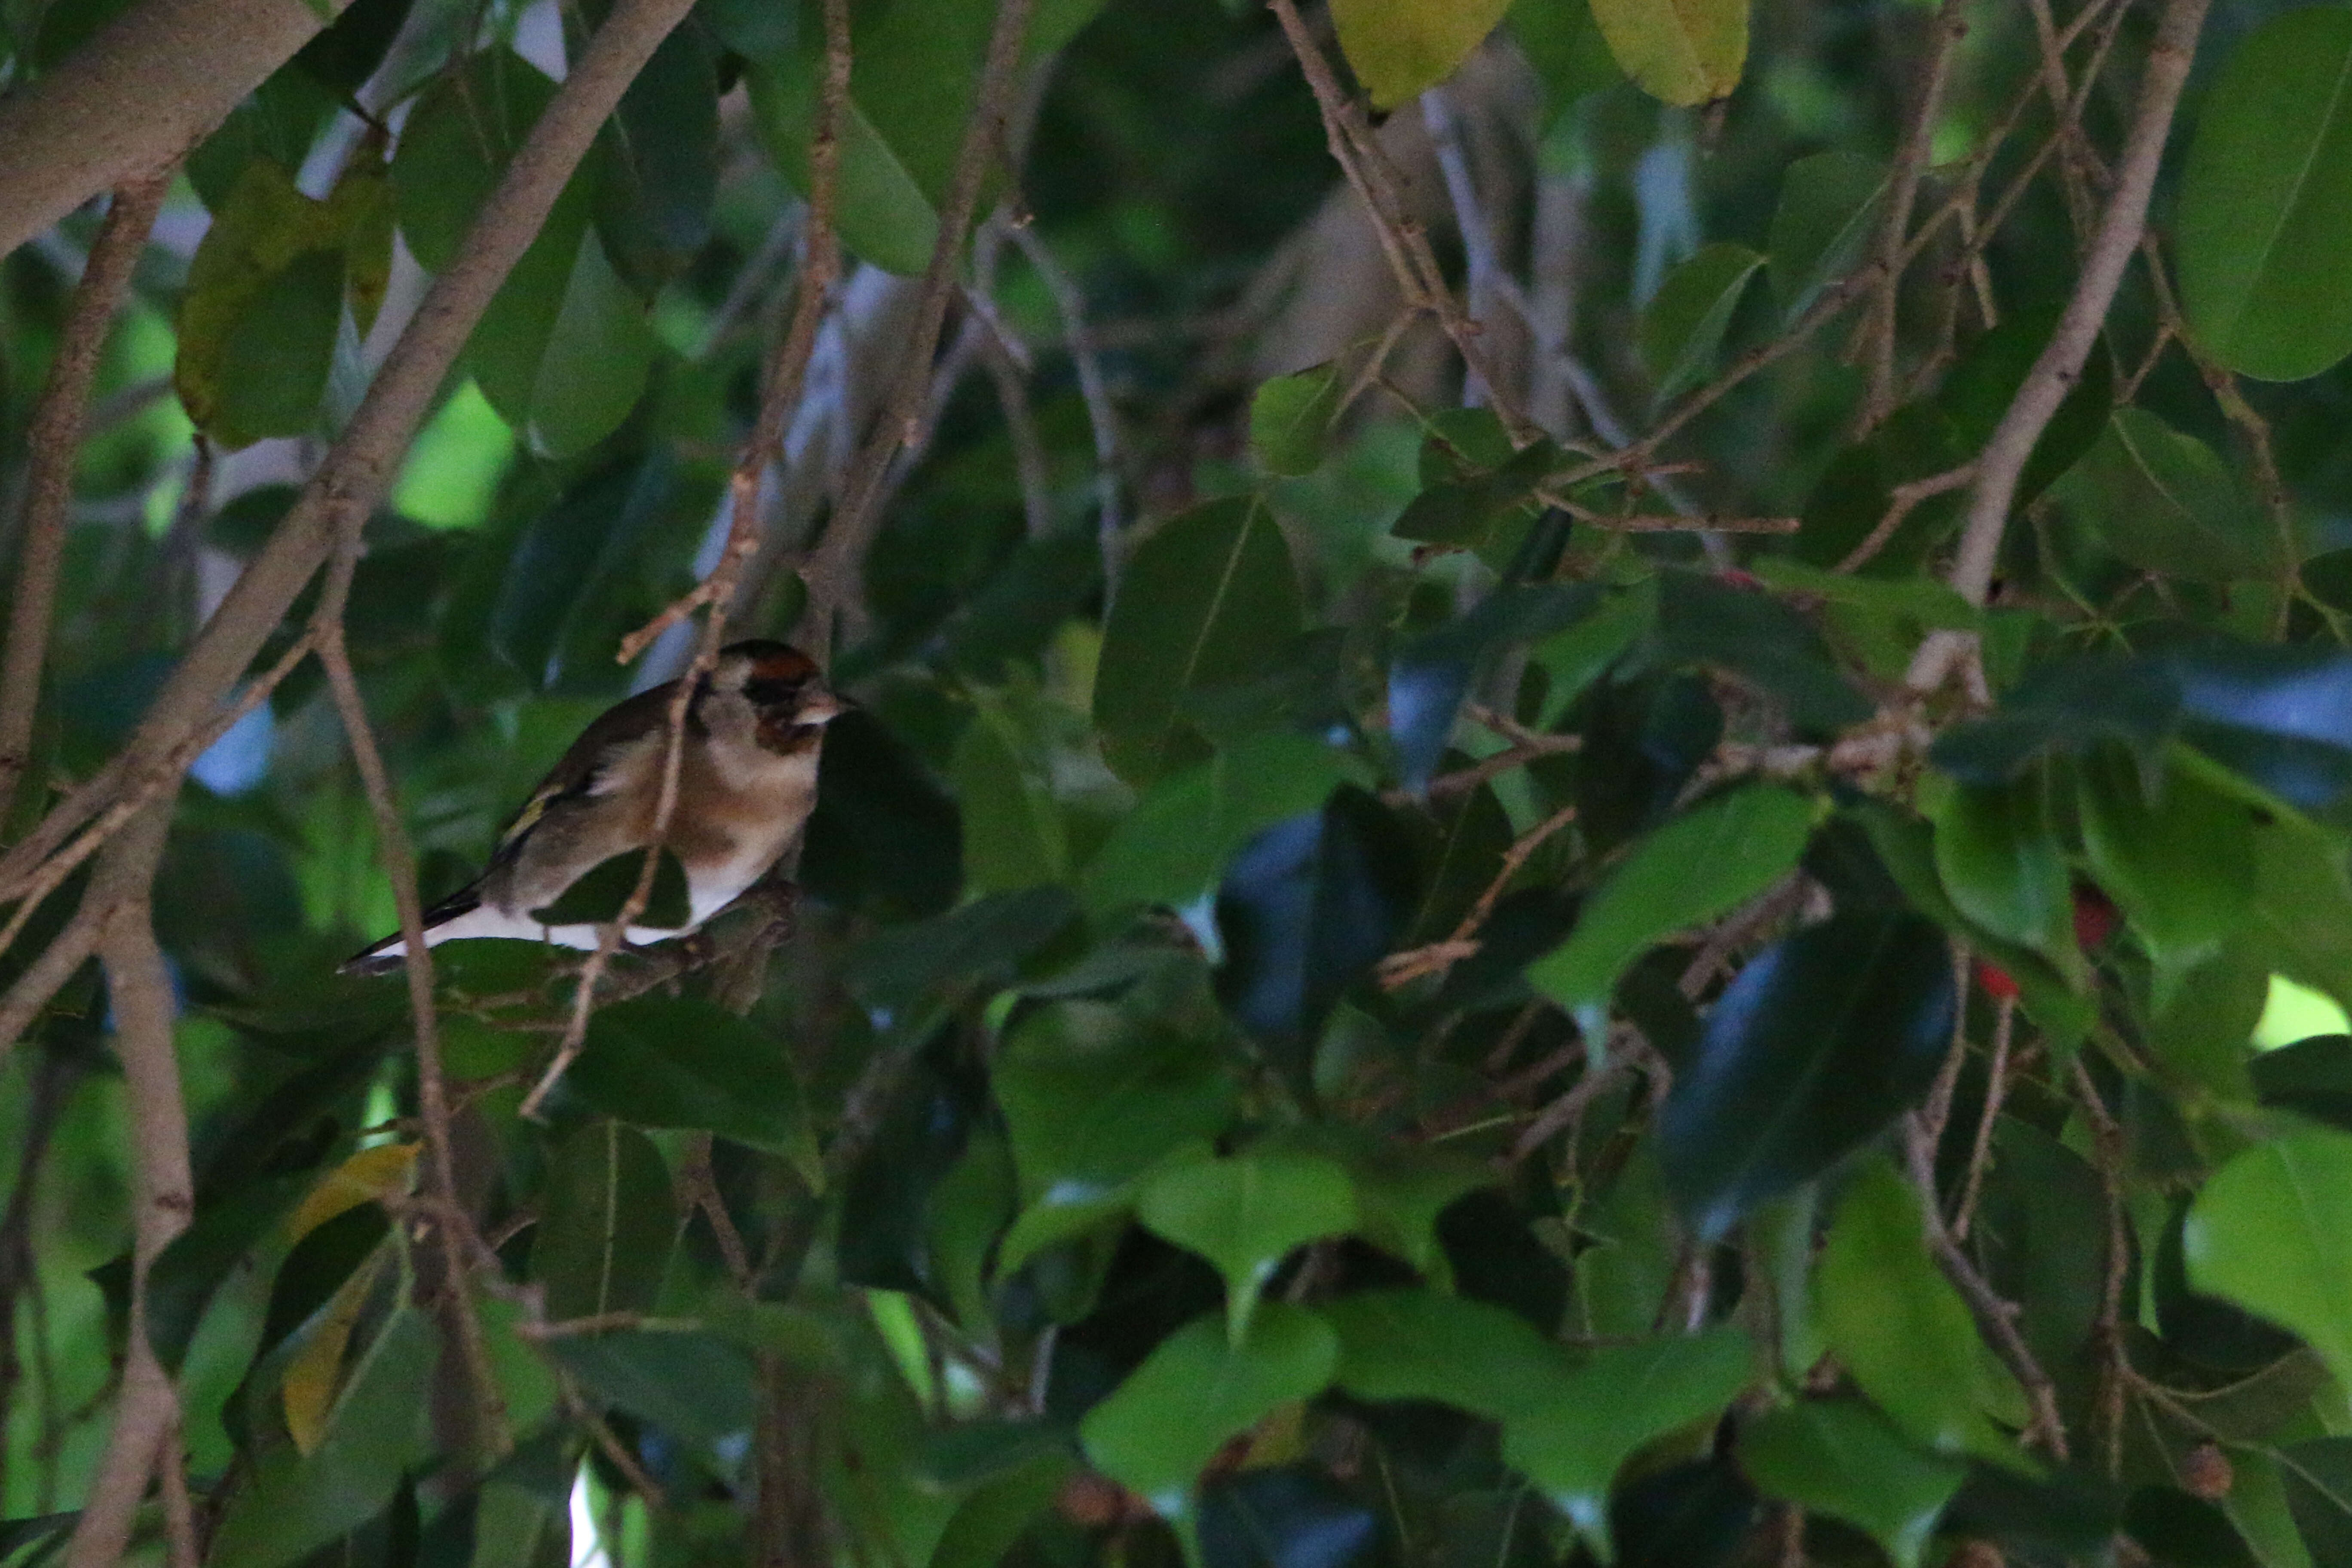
<point x="1400" y="47"/>
<point x="310" y="1376"/>
<point x="1680" y="51"/>
<point x="367" y="1177"/>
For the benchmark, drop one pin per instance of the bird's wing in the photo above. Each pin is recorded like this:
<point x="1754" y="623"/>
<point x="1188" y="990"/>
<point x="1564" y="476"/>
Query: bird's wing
<point x="577" y="773"/>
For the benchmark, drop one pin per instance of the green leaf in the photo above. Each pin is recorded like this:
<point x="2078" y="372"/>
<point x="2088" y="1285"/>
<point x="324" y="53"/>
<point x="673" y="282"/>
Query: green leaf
<point x="2166" y="501"/>
<point x="1466" y="505"/>
<point x="1845" y="1460"/>
<point x="592" y="365"/>
<point x="1397" y="48"/>
<point x="1246" y="1215"/>
<point x="1702" y="620"/>
<point x="2265" y="208"/>
<point x="883" y="215"/>
<point x="606" y="1222"/>
<point x="1210" y="599"/>
<point x="1012" y="832"/>
<point x="1896" y="1322"/>
<point x="2318" y="1473"/>
<point x="663" y="1061"/>
<point x="454" y="149"/>
<point x="693" y="1385"/>
<point x="1419" y="1344"/>
<point x="601" y="894"/>
<point x="1827" y="211"/>
<point x="1291" y="420"/>
<point x="1682" y="327"/>
<point x="1681" y="52"/>
<point x="1196" y="1389"/>
<point x="1432" y="673"/>
<point x="1092" y="1099"/>
<point x="2003" y="867"/>
<point x="988" y="1522"/>
<point x="2179" y="864"/>
<point x="2273" y="1232"/>
<point x="1573" y="1443"/>
<point x="978" y="944"/>
<point x="1172" y="847"/>
<point x="660" y="152"/>
<point x="1568" y="51"/>
<point x="1703" y="864"/>
<point x="2302" y="906"/>
<point x="1401" y="1191"/>
<point x="291" y="1506"/>
<point x="1818" y="1043"/>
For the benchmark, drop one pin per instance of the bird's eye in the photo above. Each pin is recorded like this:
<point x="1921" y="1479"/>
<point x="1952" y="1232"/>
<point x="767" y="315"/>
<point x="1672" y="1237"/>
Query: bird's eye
<point x="766" y="692"/>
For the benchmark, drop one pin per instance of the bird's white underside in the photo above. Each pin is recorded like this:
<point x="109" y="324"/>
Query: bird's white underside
<point x="707" y="893"/>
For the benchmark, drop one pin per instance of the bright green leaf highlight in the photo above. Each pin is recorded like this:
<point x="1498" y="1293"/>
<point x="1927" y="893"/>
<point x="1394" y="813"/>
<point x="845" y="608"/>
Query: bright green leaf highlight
<point x="1703" y="864"/>
<point x="1681" y="52"/>
<point x="1197" y="1389"/>
<point x="1246" y="1214"/>
<point x="2273" y="1232"/>
<point x="2266" y="216"/>
<point x="1572" y="1445"/>
<point x="1397" y="48"/>
<point x="1843" y="1460"/>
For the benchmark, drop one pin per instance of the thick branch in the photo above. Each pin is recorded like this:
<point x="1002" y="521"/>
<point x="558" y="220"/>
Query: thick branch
<point x="139" y="93"/>
<point x="54" y="443"/>
<point x="139" y="989"/>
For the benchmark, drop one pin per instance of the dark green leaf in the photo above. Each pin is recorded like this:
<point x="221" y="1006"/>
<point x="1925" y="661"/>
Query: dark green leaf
<point x="2279" y="716"/>
<point x="1845" y="1460"/>
<point x="693" y="1385"/>
<point x="1419" y="1344"/>
<point x="1683" y="326"/>
<point x="1433" y="672"/>
<point x="1291" y="419"/>
<point x="2041" y="1238"/>
<point x="660" y="1061"/>
<point x="884" y="216"/>
<point x="2185" y="1530"/>
<point x="1295" y="1517"/>
<point x="184" y="1277"/>
<point x="884" y="839"/>
<point x="604" y="891"/>
<point x="1210" y="599"/>
<point x="2066" y="708"/>
<point x="606" y="1221"/>
<point x="347" y="53"/>
<point x="2267" y="1233"/>
<point x="981" y="941"/>
<point x="1982" y="385"/>
<point x="1464" y="509"/>
<point x="2003" y="866"/>
<point x="1246" y="1215"/>
<point x="2318" y="1476"/>
<point x="2313" y="1077"/>
<point x="2163" y="501"/>
<point x="1761" y="641"/>
<point x="1820" y="1042"/>
<point x="2180" y="860"/>
<point x="1828" y="212"/>
<point x="660" y="152"/>
<point x="2266" y="202"/>
<point x="1196" y="1389"/>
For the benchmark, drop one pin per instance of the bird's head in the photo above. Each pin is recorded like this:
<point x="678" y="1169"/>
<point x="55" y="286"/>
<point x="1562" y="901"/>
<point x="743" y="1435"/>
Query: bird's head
<point x="783" y="685"/>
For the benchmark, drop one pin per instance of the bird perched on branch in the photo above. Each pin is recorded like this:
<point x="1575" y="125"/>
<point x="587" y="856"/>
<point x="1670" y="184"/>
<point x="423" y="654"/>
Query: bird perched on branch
<point x="746" y="785"/>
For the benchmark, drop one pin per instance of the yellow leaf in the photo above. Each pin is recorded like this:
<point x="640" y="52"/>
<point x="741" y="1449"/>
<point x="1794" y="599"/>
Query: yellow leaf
<point x="1399" y="46"/>
<point x="313" y="1372"/>
<point x="1681" y="51"/>
<point x="368" y="1176"/>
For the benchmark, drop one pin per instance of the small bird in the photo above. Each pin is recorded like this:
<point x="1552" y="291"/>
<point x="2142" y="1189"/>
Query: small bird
<point x="747" y="784"/>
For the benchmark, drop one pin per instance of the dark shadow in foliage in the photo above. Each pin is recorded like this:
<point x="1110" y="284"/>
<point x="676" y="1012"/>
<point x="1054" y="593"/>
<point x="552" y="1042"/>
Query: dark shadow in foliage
<point x="1704" y="620"/>
<point x="2066" y="1513"/>
<point x="983" y="940"/>
<point x="1293" y="1517"/>
<point x="1820" y="1042"/>
<point x="2318" y="1476"/>
<point x="1151" y="1290"/>
<point x="1524" y="927"/>
<point x="1432" y="673"/>
<point x="2207" y="1330"/>
<point x="2312" y="1078"/>
<point x="2182" y="1531"/>
<point x="886" y="1208"/>
<point x="1691" y="1515"/>
<point x="347" y="53"/>
<point x="1495" y="1259"/>
<point x="886" y="840"/>
<point x="1306" y="909"/>
<point x="1643" y="741"/>
<point x="317" y="1268"/>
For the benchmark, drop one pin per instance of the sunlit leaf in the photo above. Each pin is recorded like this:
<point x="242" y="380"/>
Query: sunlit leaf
<point x="1681" y="52"/>
<point x="1400" y="47"/>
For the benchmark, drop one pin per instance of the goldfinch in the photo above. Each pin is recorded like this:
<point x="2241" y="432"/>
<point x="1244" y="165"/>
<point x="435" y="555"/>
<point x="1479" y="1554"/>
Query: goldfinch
<point x="747" y="784"/>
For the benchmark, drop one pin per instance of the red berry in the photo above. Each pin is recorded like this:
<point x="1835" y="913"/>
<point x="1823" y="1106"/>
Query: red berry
<point x="1995" y="979"/>
<point x="1740" y="579"/>
<point x="2095" y="917"/>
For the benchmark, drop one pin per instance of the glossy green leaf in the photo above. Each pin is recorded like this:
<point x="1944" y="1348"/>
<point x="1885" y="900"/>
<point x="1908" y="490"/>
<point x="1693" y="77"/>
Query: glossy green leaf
<point x="1450" y="1350"/>
<point x="884" y="216"/>
<point x="1397" y="48"/>
<point x="693" y="1385"/>
<point x="1197" y="1389"/>
<point x="2164" y="500"/>
<point x="1246" y="1212"/>
<point x="1572" y="1445"/>
<point x="606" y="1222"/>
<point x="1846" y="1461"/>
<point x="1817" y="1043"/>
<point x="1681" y="52"/>
<point x="2266" y="201"/>
<point x="2273" y="1232"/>
<point x="983" y="945"/>
<point x="660" y="152"/>
<point x="1704" y="620"/>
<point x="592" y="368"/>
<point x="989" y="1521"/>
<point x="1896" y="1322"/>
<point x="1173" y="847"/>
<point x="662" y="1061"/>
<point x="1432" y="674"/>
<point x="291" y="1506"/>
<point x="1013" y="831"/>
<point x="2003" y="866"/>
<point x="2179" y="862"/>
<point x="1683" y="326"/>
<point x="454" y="147"/>
<point x="1828" y="212"/>
<point x="1209" y="599"/>
<point x="1703" y="864"/>
<point x="1291" y="420"/>
<point x="2302" y="906"/>
<point x="2318" y="1473"/>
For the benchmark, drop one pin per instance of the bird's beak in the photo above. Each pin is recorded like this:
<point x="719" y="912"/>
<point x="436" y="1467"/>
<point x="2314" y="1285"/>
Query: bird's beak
<point x="824" y="707"/>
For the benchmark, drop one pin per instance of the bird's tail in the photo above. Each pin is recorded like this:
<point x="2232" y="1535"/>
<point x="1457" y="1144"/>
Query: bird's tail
<point x="383" y="957"/>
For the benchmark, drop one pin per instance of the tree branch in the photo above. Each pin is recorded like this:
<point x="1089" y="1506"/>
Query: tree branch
<point x="2060" y="364"/>
<point x="139" y="989"/>
<point x="54" y="445"/>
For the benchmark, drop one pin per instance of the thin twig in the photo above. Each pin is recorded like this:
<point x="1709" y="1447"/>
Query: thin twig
<point x="1900" y="500"/>
<point x="2004" y="1029"/>
<point x="53" y="445"/>
<point x="1950" y="26"/>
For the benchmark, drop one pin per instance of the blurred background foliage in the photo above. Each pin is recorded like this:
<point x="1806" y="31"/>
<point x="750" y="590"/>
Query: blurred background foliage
<point x="1348" y="1005"/>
